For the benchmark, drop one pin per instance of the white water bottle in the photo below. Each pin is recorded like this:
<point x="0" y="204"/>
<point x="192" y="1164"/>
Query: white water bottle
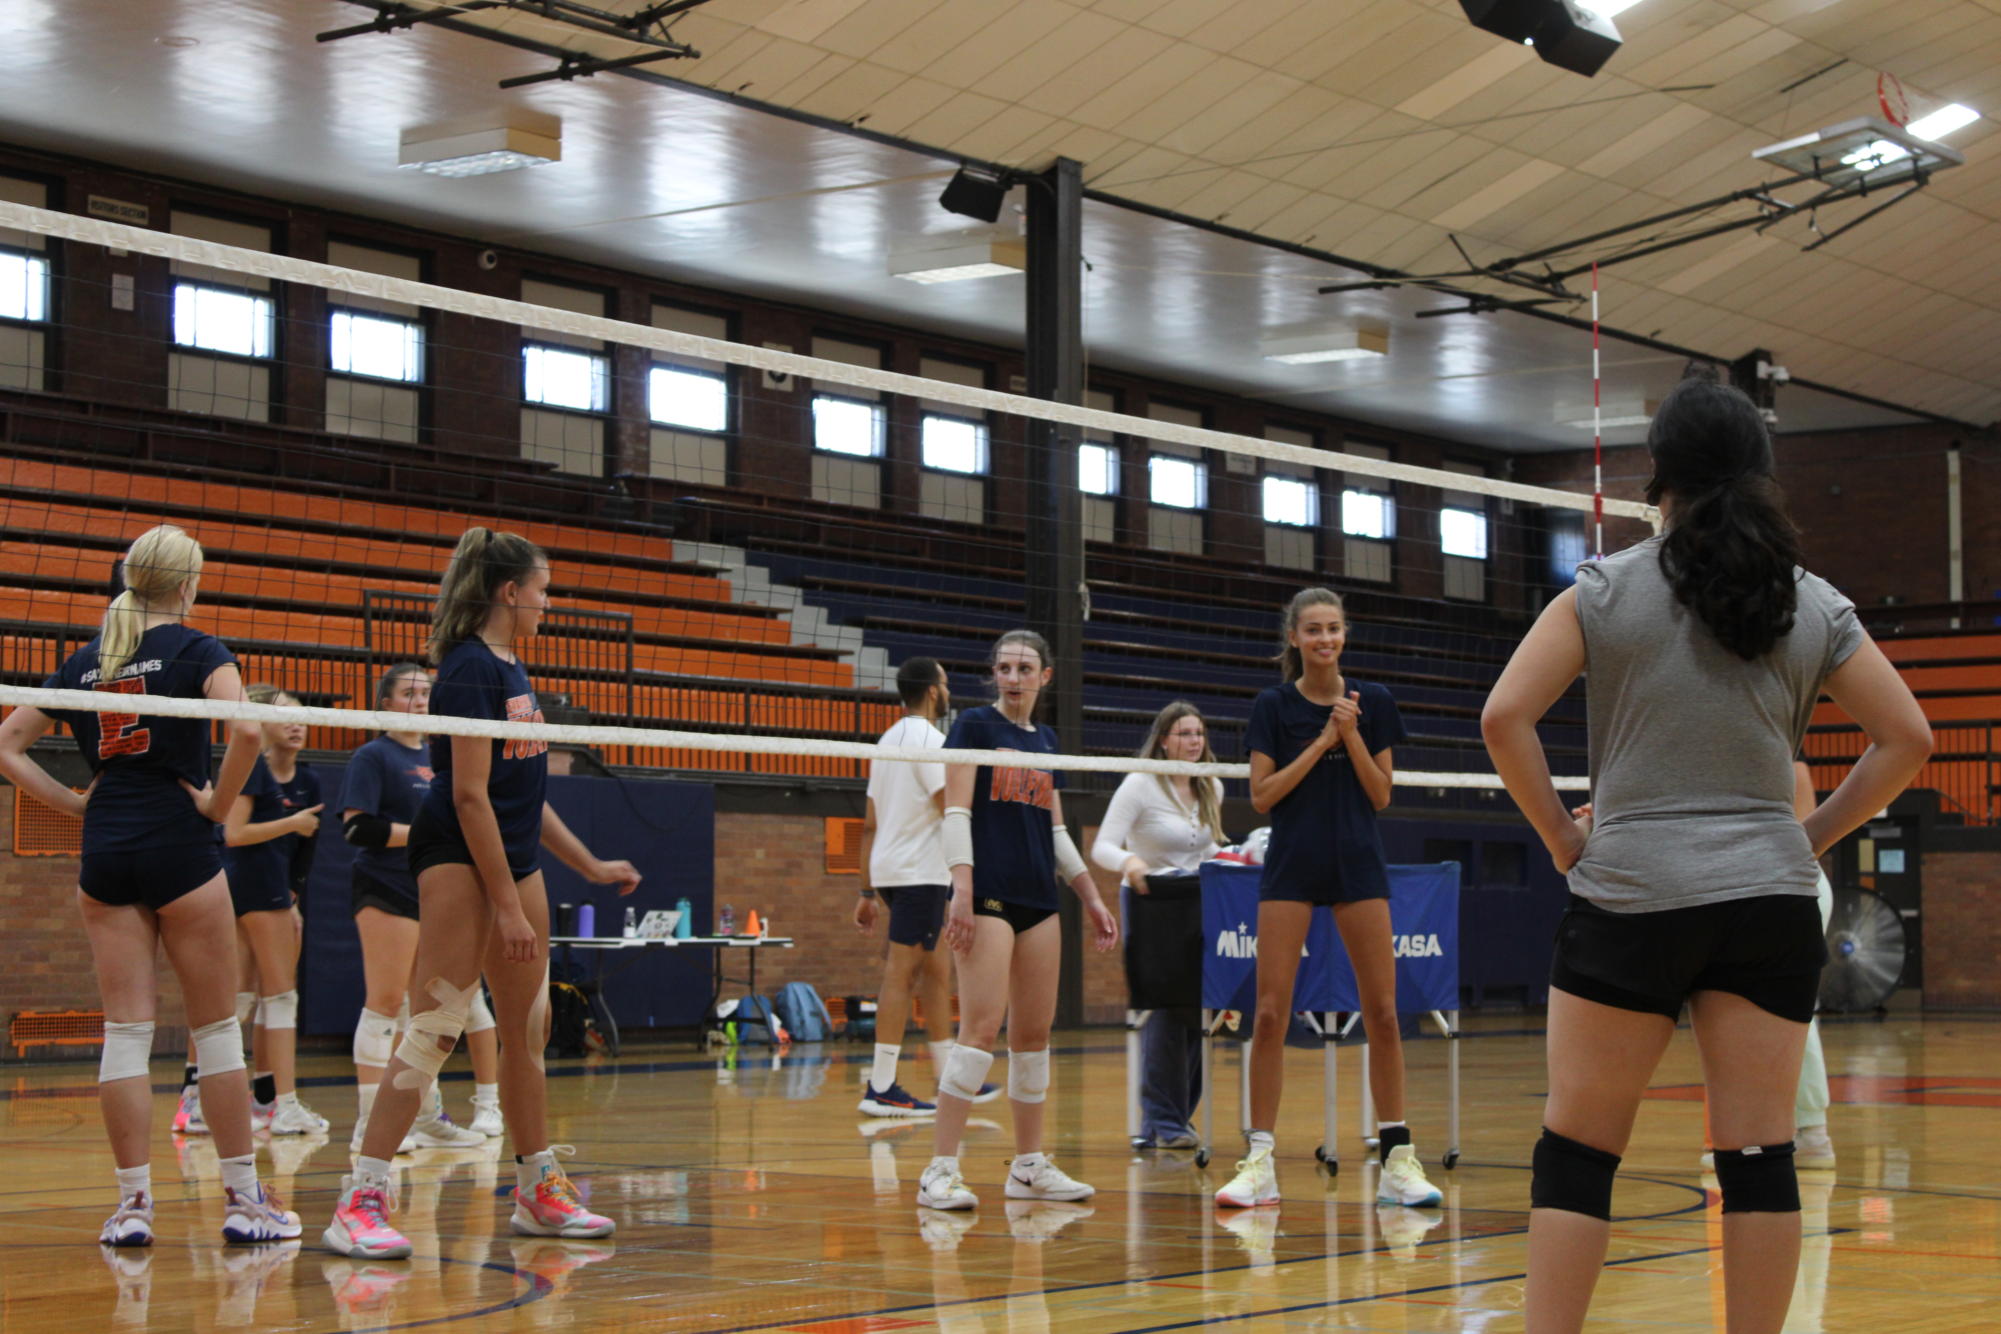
<point x="631" y="923"/>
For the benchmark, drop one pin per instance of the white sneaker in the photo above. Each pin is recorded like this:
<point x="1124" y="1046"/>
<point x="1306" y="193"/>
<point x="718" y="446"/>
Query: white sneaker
<point x="132" y="1225"/>
<point x="441" y="1132"/>
<point x="253" y="1219"/>
<point x="409" y="1144"/>
<point x="1255" y="1184"/>
<point x="1403" y="1181"/>
<point x="260" y="1115"/>
<point x="1812" y="1149"/>
<point x="1042" y="1179"/>
<point x="295" y="1118"/>
<point x="941" y="1187"/>
<point x="487" y="1120"/>
<point x="187" y="1115"/>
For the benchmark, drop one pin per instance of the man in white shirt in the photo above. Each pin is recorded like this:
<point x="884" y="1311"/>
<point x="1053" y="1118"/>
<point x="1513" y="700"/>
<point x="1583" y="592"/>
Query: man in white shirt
<point x="903" y="869"/>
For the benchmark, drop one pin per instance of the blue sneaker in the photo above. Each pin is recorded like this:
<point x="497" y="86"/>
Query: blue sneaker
<point x="893" y="1101"/>
<point x="987" y="1093"/>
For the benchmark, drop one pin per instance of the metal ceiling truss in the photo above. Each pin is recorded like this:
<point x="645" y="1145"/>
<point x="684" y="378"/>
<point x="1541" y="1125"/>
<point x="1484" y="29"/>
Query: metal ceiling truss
<point x="647" y="27"/>
<point x="1637" y="240"/>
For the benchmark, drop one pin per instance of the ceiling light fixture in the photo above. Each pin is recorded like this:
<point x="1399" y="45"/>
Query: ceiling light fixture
<point x="1313" y="345"/>
<point x="481" y="147"/>
<point x="1944" y="121"/>
<point x="968" y="258"/>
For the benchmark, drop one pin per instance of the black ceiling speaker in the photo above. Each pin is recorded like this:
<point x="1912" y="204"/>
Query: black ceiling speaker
<point x="1516" y="20"/>
<point x="1574" y="38"/>
<point x="976" y="192"/>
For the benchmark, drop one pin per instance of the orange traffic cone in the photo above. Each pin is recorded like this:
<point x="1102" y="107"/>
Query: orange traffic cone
<point x="750" y="928"/>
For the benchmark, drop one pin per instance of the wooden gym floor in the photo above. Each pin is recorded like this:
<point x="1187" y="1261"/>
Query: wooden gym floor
<point x="750" y="1195"/>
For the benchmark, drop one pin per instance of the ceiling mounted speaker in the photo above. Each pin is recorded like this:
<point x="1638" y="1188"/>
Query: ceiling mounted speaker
<point x="975" y="192"/>
<point x="1516" y="20"/>
<point x="1575" y="38"/>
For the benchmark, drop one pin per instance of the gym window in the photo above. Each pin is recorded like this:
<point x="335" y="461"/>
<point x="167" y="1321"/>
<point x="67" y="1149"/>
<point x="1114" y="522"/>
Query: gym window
<point x="1098" y="469"/>
<point x="1176" y="482"/>
<point x="1368" y="514"/>
<point x="1462" y="533"/>
<point x="222" y="319"/>
<point x="690" y="399"/>
<point x="24" y="287"/>
<point x="848" y="426"/>
<point x="562" y="377"/>
<point x="1293" y="501"/>
<point x="380" y="347"/>
<point x="954" y="444"/>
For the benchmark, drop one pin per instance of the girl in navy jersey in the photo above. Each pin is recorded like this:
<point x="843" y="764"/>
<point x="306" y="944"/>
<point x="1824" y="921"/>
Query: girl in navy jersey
<point x="1008" y="851"/>
<point x="151" y="873"/>
<point x="473" y="850"/>
<point x="387" y="782"/>
<point x="1320" y="747"/>
<point x="278" y="812"/>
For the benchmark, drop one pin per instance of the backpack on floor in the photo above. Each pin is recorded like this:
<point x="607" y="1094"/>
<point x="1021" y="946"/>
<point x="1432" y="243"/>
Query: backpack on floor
<point x="803" y="1013"/>
<point x="860" y="1024"/>
<point x="751" y="1020"/>
<point x="569" y="1020"/>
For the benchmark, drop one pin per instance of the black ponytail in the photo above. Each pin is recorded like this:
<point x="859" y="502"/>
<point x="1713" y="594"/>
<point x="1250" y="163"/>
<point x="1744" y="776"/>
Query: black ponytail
<point x="1730" y="551"/>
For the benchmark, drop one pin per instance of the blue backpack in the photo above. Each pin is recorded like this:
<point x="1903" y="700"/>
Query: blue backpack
<point x="803" y="1013"/>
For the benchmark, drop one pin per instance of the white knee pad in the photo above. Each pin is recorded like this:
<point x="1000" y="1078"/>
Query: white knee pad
<point x="128" y="1051"/>
<point x="374" y="1039"/>
<point x="1028" y="1075"/>
<point x="279" y="1011"/>
<point x="480" y="1018"/>
<point x="246" y="1007"/>
<point x="218" y="1047"/>
<point x="965" y="1070"/>
<point x="433" y="1033"/>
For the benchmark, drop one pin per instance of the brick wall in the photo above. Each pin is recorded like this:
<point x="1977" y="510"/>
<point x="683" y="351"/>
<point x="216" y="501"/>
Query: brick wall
<point x="1963" y="929"/>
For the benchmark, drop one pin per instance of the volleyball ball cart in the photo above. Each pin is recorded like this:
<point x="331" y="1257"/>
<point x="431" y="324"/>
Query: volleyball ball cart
<point x="1424" y="922"/>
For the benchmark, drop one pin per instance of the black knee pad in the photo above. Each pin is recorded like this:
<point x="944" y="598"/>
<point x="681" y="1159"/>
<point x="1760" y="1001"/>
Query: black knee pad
<point x="1758" y="1180"/>
<point x="1573" y="1177"/>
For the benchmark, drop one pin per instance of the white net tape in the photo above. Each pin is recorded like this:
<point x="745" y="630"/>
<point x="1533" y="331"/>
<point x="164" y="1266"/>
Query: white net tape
<point x="283" y="268"/>
<point x="91" y="701"/>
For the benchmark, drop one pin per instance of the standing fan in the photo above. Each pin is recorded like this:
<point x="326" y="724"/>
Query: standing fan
<point x="1865" y="953"/>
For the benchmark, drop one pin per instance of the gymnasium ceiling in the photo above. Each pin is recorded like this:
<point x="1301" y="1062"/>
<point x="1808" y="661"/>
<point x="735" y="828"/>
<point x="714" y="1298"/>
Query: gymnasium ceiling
<point x="1371" y="130"/>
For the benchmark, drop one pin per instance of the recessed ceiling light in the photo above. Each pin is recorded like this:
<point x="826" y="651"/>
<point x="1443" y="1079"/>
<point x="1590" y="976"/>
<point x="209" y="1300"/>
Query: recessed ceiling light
<point x="1943" y="121"/>
<point x="1312" y="345"/>
<point x="480" y="148"/>
<point x="971" y="257"/>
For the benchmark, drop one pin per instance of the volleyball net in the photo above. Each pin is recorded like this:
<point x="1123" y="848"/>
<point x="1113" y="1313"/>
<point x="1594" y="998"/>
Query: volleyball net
<point x="751" y="516"/>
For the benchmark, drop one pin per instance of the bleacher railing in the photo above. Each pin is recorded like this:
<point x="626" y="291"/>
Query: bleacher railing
<point x="1965" y="767"/>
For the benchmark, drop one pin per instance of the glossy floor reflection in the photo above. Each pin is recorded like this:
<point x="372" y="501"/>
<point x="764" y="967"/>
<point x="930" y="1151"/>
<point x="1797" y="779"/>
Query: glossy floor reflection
<point x="751" y="1195"/>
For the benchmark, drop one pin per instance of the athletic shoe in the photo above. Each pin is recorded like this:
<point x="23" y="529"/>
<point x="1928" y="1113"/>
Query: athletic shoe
<point x="1255" y="1184"/>
<point x="1180" y="1139"/>
<point x="1402" y="1229"/>
<point x="1812" y="1149"/>
<point x="296" y="1118"/>
<point x="132" y="1225"/>
<point x="553" y="1209"/>
<point x="360" y="1229"/>
<point x="187" y="1116"/>
<point x="254" y="1219"/>
<point x="441" y="1132"/>
<point x="894" y="1102"/>
<point x="261" y="1114"/>
<point x="1044" y="1180"/>
<point x="487" y="1120"/>
<point x="943" y="1231"/>
<point x="1403" y="1182"/>
<point x="409" y="1144"/>
<point x="941" y="1187"/>
<point x="987" y="1093"/>
<point x="1040" y="1220"/>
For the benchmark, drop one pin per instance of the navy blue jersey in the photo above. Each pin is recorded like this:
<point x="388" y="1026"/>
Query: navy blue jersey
<point x="1325" y="829"/>
<point x="140" y="762"/>
<point x="302" y="793"/>
<point x="257" y="871"/>
<point x="475" y="682"/>
<point x="390" y="780"/>
<point x="1014" y="851"/>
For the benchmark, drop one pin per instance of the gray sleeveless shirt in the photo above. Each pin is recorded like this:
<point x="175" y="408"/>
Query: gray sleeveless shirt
<point x="1691" y="746"/>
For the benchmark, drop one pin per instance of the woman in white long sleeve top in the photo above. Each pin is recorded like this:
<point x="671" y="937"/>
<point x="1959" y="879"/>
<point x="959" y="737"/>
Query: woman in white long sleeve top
<point x="1156" y="823"/>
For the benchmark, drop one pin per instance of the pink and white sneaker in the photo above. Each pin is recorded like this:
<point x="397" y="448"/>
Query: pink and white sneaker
<point x="360" y="1229"/>
<point x="187" y="1115"/>
<point x="553" y="1209"/>
<point x="250" y="1220"/>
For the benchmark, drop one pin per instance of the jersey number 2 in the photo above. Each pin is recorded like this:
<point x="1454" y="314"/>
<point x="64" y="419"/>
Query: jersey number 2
<point x="120" y="733"/>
